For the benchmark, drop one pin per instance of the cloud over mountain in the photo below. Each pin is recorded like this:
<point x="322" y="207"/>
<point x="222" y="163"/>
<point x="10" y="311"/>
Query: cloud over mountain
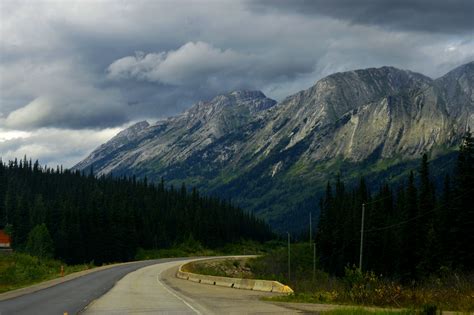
<point x="72" y="65"/>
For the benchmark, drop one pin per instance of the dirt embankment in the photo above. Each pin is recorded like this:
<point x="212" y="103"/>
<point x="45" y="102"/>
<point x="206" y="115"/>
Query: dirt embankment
<point x="234" y="268"/>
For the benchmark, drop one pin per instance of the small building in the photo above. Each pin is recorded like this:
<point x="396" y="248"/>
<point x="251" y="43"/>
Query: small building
<point x="5" y="240"/>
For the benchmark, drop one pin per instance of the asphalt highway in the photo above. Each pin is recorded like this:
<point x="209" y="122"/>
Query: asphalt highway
<point x="72" y="296"/>
<point x="148" y="287"/>
<point x="156" y="290"/>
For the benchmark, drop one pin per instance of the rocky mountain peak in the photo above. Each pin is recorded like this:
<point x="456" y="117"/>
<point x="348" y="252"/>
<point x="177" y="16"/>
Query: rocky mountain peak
<point x="343" y="92"/>
<point x="457" y="87"/>
<point x="375" y="80"/>
<point x="133" y="130"/>
<point x="465" y="69"/>
<point x="246" y="94"/>
<point x="461" y="77"/>
<point x="255" y="101"/>
<point x="463" y="73"/>
<point x="237" y="103"/>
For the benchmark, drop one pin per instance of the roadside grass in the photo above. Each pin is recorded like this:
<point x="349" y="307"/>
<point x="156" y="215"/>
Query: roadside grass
<point x="450" y="292"/>
<point x="19" y="270"/>
<point x="447" y="291"/>
<point x="204" y="269"/>
<point x="361" y="311"/>
<point x="145" y="254"/>
<point x="193" y="248"/>
<point x="234" y="268"/>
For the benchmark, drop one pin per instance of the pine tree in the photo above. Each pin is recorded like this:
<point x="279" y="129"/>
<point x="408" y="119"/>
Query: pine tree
<point x="411" y="240"/>
<point x="445" y="224"/>
<point x="464" y="194"/>
<point x="106" y="219"/>
<point x="425" y="224"/>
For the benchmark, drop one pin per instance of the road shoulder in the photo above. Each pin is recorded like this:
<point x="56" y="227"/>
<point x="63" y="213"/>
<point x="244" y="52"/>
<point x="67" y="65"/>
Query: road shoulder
<point x="47" y="284"/>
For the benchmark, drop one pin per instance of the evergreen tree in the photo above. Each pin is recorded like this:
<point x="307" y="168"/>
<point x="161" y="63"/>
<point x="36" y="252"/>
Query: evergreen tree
<point x="445" y="224"/>
<point x="464" y="201"/>
<point x="106" y="219"/>
<point x="411" y="236"/>
<point x="425" y="223"/>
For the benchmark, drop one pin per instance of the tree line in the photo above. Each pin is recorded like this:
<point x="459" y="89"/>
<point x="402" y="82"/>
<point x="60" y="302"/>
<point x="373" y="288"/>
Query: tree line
<point x="107" y="219"/>
<point x="411" y="229"/>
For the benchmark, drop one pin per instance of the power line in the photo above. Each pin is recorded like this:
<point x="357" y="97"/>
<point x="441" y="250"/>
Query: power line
<point x="345" y="245"/>
<point x="416" y="217"/>
<point x="380" y="199"/>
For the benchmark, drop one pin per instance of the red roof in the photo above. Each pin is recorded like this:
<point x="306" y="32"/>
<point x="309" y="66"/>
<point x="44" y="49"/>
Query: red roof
<point x="4" y="238"/>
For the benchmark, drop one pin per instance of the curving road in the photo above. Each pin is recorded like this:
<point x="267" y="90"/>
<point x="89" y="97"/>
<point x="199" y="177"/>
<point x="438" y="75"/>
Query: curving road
<point x="74" y="295"/>
<point x="148" y="287"/>
<point x="156" y="290"/>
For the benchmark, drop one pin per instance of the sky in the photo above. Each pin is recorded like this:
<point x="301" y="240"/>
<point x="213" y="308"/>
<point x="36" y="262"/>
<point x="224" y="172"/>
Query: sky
<point x="74" y="73"/>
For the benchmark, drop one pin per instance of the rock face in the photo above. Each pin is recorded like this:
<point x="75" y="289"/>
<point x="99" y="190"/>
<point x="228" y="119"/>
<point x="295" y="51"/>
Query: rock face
<point x="357" y="114"/>
<point x="458" y="93"/>
<point x="121" y="141"/>
<point x="179" y="138"/>
<point x="240" y="142"/>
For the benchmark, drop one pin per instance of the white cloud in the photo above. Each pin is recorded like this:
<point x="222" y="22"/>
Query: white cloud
<point x="197" y="65"/>
<point x="85" y="108"/>
<point x="57" y="93"/>
<point x="6" y="135"/>
<point x="52" y="146"/>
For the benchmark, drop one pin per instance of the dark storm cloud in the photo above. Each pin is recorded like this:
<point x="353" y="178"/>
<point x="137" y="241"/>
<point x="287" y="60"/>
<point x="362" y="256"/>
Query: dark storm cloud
<point x="201" y="65"/>
<point x="64" y="51"/>
<point x="72" y="68"/>
<point x="436" y="16"/>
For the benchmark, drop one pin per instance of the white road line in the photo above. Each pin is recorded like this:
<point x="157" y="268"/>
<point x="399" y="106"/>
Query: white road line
<point x="175" y="295"/>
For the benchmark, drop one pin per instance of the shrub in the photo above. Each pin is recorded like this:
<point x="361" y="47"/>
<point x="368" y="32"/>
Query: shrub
<point x="39" y="242"/>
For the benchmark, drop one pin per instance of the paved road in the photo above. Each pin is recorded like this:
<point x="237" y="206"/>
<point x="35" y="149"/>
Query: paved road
<point x="156" y="290"/>
<point x="148" y="287"/>
<point x="71" y="296"/>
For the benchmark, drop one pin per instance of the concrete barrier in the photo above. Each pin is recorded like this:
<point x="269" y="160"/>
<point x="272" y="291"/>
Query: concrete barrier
<point x="237" y="283"/>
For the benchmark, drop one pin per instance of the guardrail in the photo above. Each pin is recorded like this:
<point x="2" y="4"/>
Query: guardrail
<point x="236" y="283"/>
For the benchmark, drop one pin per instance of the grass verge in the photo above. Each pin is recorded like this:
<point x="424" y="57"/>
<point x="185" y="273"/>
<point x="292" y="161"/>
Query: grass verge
<point x="361" y="311"/>
<point x="194" y="248"/>
<point x="448" y="291"/>
<point x="18" y="270"/>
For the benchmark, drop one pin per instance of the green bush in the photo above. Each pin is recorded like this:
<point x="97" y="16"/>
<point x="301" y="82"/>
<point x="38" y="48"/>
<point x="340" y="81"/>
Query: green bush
<point x="449" y="291"/>
<point x="40" y="243"/>
<point x="20" y="269"/>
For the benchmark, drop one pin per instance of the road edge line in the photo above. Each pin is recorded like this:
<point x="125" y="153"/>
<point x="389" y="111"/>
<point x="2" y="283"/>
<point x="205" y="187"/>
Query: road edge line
<point x="158" y="277"/>
<point x="51" y="283"/>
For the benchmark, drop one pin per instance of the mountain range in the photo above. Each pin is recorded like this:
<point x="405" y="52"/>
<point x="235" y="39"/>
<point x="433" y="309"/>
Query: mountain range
<point x="275" y="158"/>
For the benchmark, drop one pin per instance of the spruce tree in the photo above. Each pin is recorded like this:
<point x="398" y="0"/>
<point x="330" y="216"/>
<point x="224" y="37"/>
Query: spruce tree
<point x="464" y="195"/>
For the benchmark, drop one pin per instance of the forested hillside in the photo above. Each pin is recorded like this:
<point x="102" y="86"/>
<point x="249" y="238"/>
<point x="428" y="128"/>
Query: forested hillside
<point x="81" y="218"/>
<point x="411" y="230"/>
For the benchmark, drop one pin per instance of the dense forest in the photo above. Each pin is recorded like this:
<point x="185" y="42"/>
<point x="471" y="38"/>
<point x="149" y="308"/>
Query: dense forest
<point x="80" y="218"/>
<point x="411" y="230"/>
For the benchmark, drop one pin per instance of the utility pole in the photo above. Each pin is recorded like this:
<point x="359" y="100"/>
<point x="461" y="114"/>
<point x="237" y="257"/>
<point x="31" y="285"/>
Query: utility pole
<point x="314" y="261"/>
<point x="310" y="231"/>
<point x="289" y="260"/>
<point x="361" y="237"/>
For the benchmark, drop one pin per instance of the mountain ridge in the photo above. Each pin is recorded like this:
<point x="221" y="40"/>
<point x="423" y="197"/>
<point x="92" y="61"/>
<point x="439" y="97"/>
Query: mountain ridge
<point x="363" y="116"/>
